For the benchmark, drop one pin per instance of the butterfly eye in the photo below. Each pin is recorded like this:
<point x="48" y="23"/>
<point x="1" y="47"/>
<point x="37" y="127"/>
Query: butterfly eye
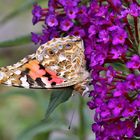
<point x="68" y="46"/>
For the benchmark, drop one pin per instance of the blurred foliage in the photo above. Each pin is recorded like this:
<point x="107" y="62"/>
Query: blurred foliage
<point x="58" y="97"/>
<point x="22" y="111"/>
<point x="22" y="7"/>
<point x="16" y="42"/>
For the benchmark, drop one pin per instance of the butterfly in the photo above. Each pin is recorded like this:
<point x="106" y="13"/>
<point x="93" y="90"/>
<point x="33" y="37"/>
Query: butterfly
<point x="56" y="64"/>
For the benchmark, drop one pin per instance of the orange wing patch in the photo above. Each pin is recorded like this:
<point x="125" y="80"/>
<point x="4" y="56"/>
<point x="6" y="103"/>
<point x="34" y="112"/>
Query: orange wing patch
<point x="55" y="78"/>
<point x="36" y="72"/>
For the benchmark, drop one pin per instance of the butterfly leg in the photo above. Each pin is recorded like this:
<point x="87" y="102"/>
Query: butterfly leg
<point x="82" y="88"/>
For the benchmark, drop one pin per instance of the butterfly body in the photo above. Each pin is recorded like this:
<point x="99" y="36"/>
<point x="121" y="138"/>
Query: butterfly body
<point x="58" y="63"/>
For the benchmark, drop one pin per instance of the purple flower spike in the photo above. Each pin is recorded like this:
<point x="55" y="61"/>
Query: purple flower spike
<point x="110" y="32"/>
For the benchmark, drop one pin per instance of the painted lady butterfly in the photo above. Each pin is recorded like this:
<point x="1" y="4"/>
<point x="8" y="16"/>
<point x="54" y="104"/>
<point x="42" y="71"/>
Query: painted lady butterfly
<point x="58" y="63"/>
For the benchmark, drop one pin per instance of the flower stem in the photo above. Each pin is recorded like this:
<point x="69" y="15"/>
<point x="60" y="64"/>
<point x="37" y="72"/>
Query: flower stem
<point x="84" y="2"/>
<point x="82" y="128"/>
<point x="136" y="28"/>
<point x="129" y="30"/>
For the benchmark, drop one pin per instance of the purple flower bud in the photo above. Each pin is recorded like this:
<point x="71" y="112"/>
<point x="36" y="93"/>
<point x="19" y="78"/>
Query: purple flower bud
<point x="131" y="82"/>
<point x="72" y="12"/>
<point x="116" y="3"/>
<point x="97" y="59"/>
<point x="119" y="37"/>
<point x="137" y="130"/>
<point x="77" y="31"/>
<point x="118" y="51"/>
<point x="134" y="63"/>
<point x="91" y="104"/>
<point x="121" y="89"/>
<point x="37" y="14"/>
<point x="129" y="111"/>
<point x="103" y="36"/>
<point x="110" y="74"/>
<point x="134" y="10"/>
<point x="69" y="3"/>
<point x="92" y="30"/>
<point x="130" y="126"/>
<point x="35" y="38"/>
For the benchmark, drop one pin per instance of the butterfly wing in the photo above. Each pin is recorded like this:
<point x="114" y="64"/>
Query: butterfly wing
<point x="58" y="63"/>
<point x="29" y="73"/>
<point x="65" y="56"/>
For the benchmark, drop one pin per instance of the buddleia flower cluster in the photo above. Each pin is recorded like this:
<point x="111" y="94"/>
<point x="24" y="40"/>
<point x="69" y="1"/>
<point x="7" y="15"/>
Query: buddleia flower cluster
<point x="111" y="33"/>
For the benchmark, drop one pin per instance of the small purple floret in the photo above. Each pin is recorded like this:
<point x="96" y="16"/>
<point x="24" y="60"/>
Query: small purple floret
<point x="66" y="24"/>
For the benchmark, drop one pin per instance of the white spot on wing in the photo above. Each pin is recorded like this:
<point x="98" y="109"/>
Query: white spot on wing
<point x="40" y="57"/>
<point x="24" y="60"/>
<point x="8" y="82"/>
<point x="32" y="55"/>
<point x="17" y="65"/>
<point x="55" y="67"/>
<point x="46" y="82"/>
<point x="61" y="57"/>
<point x="24" y="82"/>
<point x="2" y="75"/>
<point x="10" y="67"/>
<point x="17" y="72"/>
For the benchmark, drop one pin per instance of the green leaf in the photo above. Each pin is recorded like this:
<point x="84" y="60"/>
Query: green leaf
<point x="16" y="42"/>
<point x="26" y="5"/>
<point x="139" y="49"/>
<point x="41" y="127"/>
<point x="58" y="97"/>
<point x="119" y="66"/>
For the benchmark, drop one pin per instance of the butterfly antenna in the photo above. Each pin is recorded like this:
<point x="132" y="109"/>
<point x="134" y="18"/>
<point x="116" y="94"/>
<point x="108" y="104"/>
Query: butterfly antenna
<point x="71" y="119"/>
<point x="70" y="123"/>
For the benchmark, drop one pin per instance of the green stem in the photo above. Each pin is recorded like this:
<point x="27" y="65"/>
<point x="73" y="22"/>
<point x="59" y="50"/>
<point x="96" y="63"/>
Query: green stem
<point x="85" y="2"/>
<point x="43" y="136"/>
<point x="82" y="128"/>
